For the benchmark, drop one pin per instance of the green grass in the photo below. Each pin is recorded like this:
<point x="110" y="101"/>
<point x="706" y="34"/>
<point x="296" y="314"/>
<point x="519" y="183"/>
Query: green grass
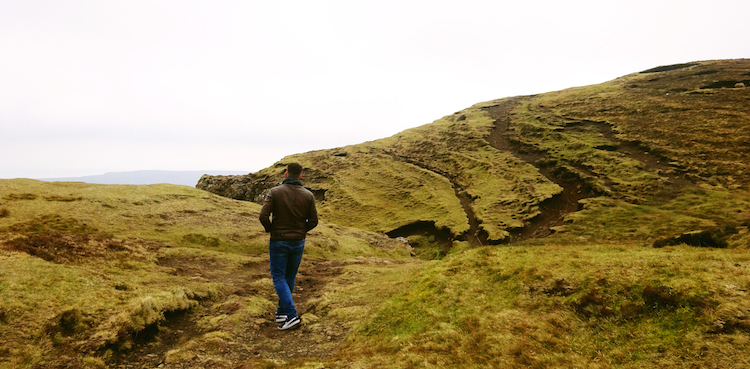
<point x="694" y="209"/>
<point x="673" y="113"/>
<point x="643" y="139"/>
<point x="549" y="303"/>
<point x="414" y="176"/>
<point x="564" y="306"/>
<point x="91" y="268"/>
<point x="90" y="274"/>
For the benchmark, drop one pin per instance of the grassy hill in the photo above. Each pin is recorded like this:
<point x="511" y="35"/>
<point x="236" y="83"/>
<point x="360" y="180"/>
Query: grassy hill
<point x="600" y="226"/>
<point x="102" y="275"/>
<point x="668" y="146"/>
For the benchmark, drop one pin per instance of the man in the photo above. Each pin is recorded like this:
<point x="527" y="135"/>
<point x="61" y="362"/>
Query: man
<point x="294" y="214"/>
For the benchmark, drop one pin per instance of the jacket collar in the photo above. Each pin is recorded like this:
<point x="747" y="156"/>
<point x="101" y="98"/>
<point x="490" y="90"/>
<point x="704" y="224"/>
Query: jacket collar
<point x="292" y="181"/>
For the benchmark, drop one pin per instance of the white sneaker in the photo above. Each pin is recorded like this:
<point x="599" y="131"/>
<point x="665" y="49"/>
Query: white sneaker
<point x="290" y="323"/>
<point x="280" y="318"/>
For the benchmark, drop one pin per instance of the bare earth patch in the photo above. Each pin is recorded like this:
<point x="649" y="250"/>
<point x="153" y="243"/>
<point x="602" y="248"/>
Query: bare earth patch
<point x="253" y="341"/>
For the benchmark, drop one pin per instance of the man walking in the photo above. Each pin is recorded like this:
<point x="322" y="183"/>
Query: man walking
<point x="294" y="214"/>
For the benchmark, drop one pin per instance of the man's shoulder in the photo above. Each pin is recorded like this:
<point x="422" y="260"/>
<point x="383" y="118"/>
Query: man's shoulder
<point x="277" y="187"/>
<point x="274" y="189"/>
<point x="289" y="187"/>
<point x="302" y="189"/>
<point x="299" y="188"/>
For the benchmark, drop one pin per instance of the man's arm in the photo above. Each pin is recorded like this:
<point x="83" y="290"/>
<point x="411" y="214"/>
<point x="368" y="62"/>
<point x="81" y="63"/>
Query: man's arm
<point x="265" y="212"/>
<point x="312" y="217"/>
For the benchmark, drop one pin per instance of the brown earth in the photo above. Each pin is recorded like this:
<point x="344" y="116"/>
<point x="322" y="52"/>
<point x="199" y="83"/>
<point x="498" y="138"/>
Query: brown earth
<point x="553" y="210"/>
<point x="576" y="185"/>
<point x="258" y="342"/>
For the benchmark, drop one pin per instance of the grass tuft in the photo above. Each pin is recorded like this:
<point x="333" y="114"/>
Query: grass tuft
<point x="202" y="240"/>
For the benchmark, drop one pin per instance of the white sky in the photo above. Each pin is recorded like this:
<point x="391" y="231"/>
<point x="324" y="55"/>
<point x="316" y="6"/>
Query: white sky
<point x="88" y="87"/>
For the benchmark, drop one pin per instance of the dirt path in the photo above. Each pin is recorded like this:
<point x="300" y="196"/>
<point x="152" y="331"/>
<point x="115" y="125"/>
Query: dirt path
<point x="553" y="210"/>
<point x="254" y="341"/>
<point x="576" y="186"/>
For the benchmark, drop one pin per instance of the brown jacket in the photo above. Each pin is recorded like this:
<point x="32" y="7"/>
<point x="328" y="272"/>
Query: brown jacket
<point x="293" y="209"/>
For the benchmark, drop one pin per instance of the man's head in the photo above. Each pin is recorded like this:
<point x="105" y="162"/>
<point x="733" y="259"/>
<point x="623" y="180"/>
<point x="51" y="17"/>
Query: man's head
<point x="293" y="170"/>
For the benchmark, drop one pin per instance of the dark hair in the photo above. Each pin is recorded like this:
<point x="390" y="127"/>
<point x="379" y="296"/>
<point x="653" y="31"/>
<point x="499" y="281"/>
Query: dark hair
<point x="294" y="169"/>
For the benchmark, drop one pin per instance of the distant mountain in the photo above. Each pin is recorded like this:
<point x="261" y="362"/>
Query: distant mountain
<point x="141" y="177"/>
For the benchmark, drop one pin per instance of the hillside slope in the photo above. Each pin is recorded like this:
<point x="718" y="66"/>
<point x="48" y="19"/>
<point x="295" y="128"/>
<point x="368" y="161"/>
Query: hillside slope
<point x="662" y="143"/>
<point x="114" y="275"/>
<point x="599" y="195"/>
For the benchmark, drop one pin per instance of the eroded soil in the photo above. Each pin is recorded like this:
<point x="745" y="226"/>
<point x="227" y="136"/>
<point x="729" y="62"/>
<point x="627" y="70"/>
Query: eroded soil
<point x="583" y="183"/>
<point x="553" y="210"/>
<point x="255" y="342"/>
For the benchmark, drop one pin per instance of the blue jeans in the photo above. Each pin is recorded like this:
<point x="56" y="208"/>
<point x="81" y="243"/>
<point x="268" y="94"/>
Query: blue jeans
<point x="285" y="256"/>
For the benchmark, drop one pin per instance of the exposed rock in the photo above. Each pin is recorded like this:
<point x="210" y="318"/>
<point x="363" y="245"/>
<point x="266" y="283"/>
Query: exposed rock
<point x="247" y="187"/>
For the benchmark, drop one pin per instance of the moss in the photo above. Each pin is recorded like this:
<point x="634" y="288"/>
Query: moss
<point x="427" y="247"/>
<point x="656" y="155"/>
<point x="202" y="240"/>
<point x="111" y="283"/>
<point x="417" y="176"/>
<point x="508" y="306"/>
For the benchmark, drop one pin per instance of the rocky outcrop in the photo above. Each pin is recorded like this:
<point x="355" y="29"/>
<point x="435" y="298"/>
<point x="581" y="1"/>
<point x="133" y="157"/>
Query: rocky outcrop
<point x="250" y="187"/>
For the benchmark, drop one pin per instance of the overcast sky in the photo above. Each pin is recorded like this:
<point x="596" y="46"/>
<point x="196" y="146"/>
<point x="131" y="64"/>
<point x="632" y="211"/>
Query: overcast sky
<point x="88" y="87"/>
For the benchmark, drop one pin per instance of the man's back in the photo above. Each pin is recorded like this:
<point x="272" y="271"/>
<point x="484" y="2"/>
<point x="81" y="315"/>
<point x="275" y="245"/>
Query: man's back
<point x="293" y="209"/>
